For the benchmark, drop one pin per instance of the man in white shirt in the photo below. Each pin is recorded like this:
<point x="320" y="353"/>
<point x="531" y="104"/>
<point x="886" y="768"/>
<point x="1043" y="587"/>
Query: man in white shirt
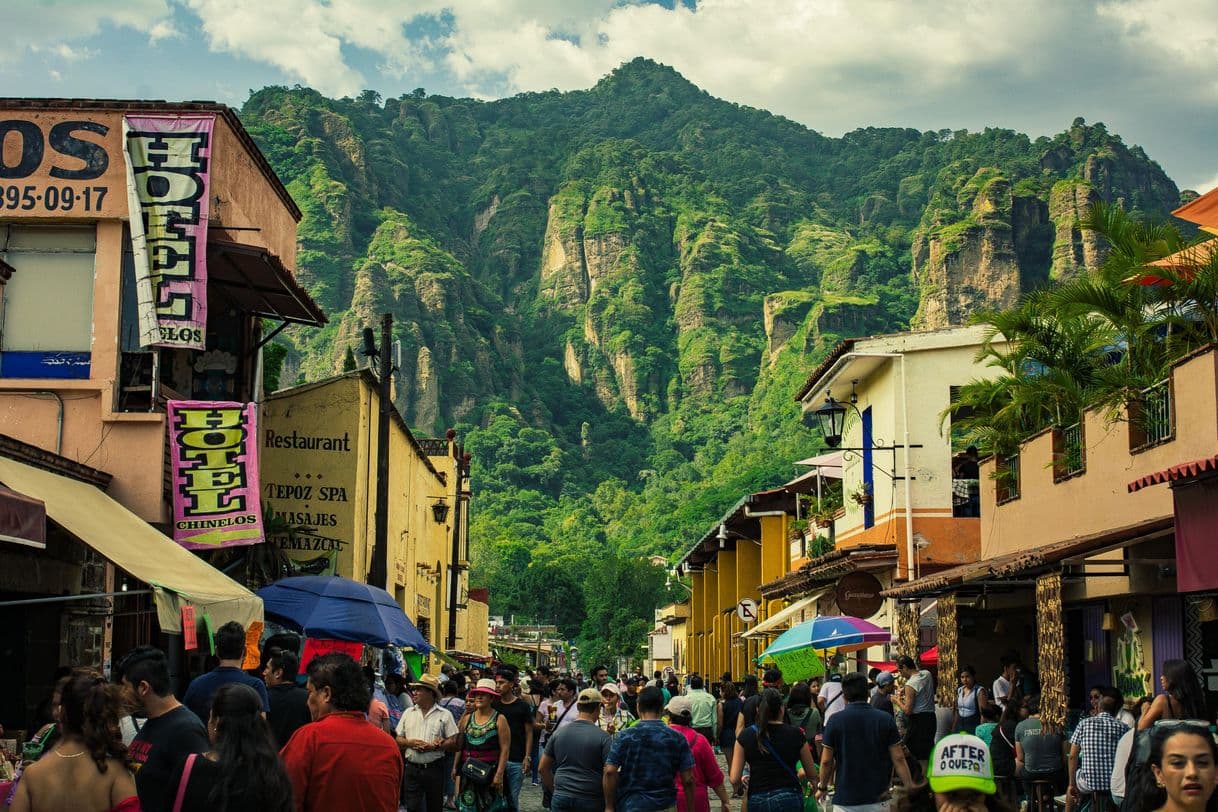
<point x="424" y="733"/>
<point x="1002" y="685"/>
<point x="830" y="697"/>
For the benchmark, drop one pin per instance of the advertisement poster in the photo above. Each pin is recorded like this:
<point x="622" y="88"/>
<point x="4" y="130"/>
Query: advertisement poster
<point x="168" y="160"/>
<point x="214" y="455"/>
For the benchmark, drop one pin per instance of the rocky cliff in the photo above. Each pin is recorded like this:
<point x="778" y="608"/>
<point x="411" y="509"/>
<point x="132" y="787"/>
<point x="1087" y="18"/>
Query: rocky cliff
<point x="652" y="248"/>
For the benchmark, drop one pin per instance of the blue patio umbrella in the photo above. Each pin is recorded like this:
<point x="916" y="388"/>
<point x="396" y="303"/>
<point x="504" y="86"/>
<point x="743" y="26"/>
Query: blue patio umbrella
<point x="337" y="608"/>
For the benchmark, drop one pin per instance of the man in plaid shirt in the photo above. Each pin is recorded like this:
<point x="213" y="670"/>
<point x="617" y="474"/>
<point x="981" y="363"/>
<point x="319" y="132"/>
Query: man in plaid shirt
<point x="1096" y="739"/>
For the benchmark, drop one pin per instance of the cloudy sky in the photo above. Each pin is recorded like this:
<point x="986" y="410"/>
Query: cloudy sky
<point x="1146" y="68"/>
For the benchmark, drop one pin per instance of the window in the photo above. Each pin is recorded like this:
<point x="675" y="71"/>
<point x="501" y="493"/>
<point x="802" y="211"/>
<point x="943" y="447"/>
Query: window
<point x="1151" y="417"/>
<point x="46" y="322"/>
<point x="1069" y="455"/>
<point x="1007" y="474"/>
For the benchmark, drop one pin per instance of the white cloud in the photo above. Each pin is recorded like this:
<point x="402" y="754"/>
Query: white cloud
<point x="53" y="23"/>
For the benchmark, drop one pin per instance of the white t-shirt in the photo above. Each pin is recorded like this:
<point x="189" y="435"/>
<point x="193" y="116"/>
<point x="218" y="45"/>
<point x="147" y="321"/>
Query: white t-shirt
<point x="831" y="693"/>
<point x="1124" y="749"/>
<point x="923" y="686"/>
<point x="1002" y="689"/>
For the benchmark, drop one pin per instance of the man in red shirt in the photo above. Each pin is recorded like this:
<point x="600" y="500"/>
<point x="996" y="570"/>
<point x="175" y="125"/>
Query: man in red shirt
<point x="339" y="762"/>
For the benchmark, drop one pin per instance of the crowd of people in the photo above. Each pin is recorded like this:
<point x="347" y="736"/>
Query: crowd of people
<point x="469" y="740"/>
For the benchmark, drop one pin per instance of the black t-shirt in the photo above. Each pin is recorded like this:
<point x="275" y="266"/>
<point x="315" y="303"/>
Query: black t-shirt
<point x="157" y="752"/>
<point x="1002" y="749"/>
<point x="631" y="701"/>
<point x="765" y="771"/>
<point x="518" y="715"/>
<point x="289" y="710"/>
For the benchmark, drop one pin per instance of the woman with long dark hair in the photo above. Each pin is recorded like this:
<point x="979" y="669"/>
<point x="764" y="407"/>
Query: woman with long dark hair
<point x="1181" y="697"/>
<point x="242" y="772"/>
<point x="726" y="711"/>
<point x="971" y="699"/>
<point x="773" y="751"/>
<point x="86" y="769"/>
<point x="1183" y="770"/>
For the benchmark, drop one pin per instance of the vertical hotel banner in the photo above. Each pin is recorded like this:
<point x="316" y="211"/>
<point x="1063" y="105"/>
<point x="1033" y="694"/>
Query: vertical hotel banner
<point x="168" y="160"/>
<point x="215" y="474"/>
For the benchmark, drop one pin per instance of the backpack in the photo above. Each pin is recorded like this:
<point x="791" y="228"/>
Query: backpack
<point x="801" y="722"/>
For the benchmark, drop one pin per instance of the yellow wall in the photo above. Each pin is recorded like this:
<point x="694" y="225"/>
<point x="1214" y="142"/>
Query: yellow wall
<point x="345" y="409"/>
<point x="472" y="626"/>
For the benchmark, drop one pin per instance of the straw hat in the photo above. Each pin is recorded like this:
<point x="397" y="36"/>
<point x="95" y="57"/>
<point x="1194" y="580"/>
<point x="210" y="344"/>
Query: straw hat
<point x="485" y="686"/>
<point x="429" y="682"/>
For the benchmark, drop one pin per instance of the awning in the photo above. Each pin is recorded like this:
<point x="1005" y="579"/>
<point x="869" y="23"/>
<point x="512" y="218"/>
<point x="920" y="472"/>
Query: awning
<point x="176" y="576"/>
<point x="1186" y="470"/>
<point x="1027" y="562"/>
<point x="829" y="465"/>
<point x="258" y="282"/>
<point x="1182" y="264"/>
<point x="777" y="623"/>
<point x="1202" y="210"/>
<point x="23" y="520"/>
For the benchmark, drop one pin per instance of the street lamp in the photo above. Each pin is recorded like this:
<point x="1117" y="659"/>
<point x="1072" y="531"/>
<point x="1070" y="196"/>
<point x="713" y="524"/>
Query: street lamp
<point x="439" y="511"/>
<point x="832" y="419"/>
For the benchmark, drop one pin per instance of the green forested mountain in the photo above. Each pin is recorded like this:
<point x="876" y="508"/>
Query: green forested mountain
<point x="614" y="294"/>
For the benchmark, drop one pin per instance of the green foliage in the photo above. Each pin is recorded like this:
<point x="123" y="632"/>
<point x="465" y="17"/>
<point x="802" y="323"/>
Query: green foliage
<point x="621" y="422"/>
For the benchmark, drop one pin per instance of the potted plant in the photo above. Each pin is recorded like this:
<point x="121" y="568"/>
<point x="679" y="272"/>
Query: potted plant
<point x="823" y="516"/>
<point x="862" y="494"/>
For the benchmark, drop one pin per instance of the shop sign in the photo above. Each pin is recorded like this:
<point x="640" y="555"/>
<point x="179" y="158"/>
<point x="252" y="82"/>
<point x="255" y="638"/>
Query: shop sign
<point x="168" y="178"/>
<point x="215" y="474"/>
<point x="858" y="594"/>
<point x="60" y="165"/>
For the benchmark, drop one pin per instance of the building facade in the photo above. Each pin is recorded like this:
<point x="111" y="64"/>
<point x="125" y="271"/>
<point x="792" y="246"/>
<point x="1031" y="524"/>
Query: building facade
<point x="84" y="382"/>
<point x="319" y="480"/>
<point x="1096" y="543"/>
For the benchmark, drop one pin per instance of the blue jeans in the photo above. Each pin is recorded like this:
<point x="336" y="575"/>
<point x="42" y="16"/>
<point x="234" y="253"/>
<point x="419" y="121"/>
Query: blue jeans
<point x="776" y="800"/>
<point x="569" y="803"/>
<point x="513" y="780"/>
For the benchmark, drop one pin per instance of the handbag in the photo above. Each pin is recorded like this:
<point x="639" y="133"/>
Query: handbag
<point x="477" y="770"/>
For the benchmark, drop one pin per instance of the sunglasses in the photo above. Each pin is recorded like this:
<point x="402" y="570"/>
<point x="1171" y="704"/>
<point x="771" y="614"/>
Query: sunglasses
<point x="1176" y="724"/>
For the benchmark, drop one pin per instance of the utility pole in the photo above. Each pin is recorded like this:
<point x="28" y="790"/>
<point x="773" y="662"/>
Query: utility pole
<point x="378" y="571"/>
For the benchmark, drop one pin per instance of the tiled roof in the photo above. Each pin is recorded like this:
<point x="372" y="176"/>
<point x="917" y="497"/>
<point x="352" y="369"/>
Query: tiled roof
<point x="837" y="352"/>
<point x="1186" y="470"/>
<point x="827" y="567"/>
<point x="1025" y="562"/>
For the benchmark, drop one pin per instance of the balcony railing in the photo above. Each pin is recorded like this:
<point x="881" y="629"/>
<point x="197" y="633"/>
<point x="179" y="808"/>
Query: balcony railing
<point x="1069" y="456"/>
<point x="1007" y="470"/>
<point x="1152" y="417"/>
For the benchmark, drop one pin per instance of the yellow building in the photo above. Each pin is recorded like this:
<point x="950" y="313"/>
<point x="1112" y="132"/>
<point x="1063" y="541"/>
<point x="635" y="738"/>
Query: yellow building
<point x="667" y="643"/>
<point x="747" y="547"/>
<point x="319" y="483"/>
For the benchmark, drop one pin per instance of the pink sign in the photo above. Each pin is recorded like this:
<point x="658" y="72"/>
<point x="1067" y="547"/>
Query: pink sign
<point x="215" y="474"/>
<point x="168" y="175"/>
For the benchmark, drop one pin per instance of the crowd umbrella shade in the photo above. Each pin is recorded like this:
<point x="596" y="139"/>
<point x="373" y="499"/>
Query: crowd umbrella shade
<point x="798" y="651"/>
<point x="336" y="608"/>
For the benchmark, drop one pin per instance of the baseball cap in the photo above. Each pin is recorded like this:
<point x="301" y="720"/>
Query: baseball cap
<point x="679" y="705"/>
<point x="612" y="688"/>
<point x="588" y="696"/>
<point x="884" y="678"/>
<point x="961" y="761"/>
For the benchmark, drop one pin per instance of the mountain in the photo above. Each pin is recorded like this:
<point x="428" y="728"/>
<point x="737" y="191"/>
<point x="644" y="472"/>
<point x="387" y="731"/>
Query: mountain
<point x="614" y="293"/>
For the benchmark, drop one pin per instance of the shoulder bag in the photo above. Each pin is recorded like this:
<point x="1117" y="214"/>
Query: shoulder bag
<point x="181" y="796"/>
<point x="805" y="789"/>
<point x="475" y="770"/>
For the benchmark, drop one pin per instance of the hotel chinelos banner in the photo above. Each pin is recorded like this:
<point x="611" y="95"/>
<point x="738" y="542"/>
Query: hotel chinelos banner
<point x="215" y="474"/>
<point x="168" y="160"/>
